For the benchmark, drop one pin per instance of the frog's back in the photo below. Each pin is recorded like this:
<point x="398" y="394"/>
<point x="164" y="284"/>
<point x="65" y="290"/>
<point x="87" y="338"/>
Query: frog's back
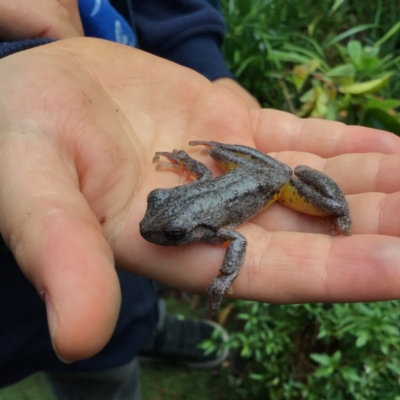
<point x="229" y="199"/>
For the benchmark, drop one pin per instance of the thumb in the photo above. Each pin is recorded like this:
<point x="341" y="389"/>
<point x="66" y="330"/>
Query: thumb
<point x="58" y="243"/>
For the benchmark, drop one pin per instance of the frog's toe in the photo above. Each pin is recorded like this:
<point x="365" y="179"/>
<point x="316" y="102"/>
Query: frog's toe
<point x="215" y="293"/>
<point x="344" y="224"/>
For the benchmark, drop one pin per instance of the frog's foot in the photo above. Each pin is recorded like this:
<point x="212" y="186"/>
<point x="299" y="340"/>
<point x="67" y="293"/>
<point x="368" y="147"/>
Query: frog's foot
<point x="233" y="261"/>
<point x="182" y="164"/>
<point x="215" y="293"/>
<point x="177" y="168"/>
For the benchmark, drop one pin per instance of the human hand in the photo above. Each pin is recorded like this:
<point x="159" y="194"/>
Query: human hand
<point x="240" y="90"/>
<point x="54" y="19"/>
<point x="78" y="131"/>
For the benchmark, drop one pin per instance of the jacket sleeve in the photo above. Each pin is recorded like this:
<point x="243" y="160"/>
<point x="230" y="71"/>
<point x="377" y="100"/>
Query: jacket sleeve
<point x="188" y="32"/>
<point x="8" y="48"/>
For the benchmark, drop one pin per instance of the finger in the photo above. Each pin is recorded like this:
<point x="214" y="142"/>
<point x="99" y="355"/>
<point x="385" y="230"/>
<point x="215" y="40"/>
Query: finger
<point x="372" y="213"/>
<point x="284" y="267"/>
<point x="293" y="267"/>
<point x="58" y="244"/>
<point x="354" y="173"/>
<point x="281" y="131"/>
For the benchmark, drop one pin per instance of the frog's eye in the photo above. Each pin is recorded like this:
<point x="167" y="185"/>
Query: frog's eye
<point x="174" y="236"/>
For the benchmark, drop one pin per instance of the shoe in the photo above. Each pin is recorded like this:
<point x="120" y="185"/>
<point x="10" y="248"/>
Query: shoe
<point x="178" y="339"/>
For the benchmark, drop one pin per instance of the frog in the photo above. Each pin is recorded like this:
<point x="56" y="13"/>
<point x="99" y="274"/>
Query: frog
<point x="209" y="208"/>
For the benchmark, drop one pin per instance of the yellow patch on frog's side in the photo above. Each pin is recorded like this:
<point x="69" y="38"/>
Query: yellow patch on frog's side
<point x="226" y="166"/>
<point x="291" y="198"/>
<point x="275" y="197"/>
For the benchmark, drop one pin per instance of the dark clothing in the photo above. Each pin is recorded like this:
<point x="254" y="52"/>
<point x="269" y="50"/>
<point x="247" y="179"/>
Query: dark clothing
<point x="25" y="345"/>
<point x="189" y="32"/>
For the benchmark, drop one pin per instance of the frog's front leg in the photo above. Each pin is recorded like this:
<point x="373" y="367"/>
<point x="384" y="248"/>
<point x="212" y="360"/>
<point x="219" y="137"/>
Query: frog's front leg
<point x="315" y="193"/>
<point x="233" y="261"/>
<point x="183" y="164"/>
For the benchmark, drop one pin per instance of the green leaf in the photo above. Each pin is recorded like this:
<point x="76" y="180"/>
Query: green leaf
<point x="348" y="33"/>
<point x="343" y="70"/>
<point x="336" y="357"/>
<point x="388" y="35"/>
<point x="236" y="56"/>
<point x="313" y="24"/>
<point x="335" y="6"/>
<point x="362" y="339"/>
<point x="365" y="87"/>
<point x="355" y="51"/>
<point x="246" y="351"/>
<point x="369" y="65"/>
<point x="276" y="55"/>
<point x="378" y="119"/>
<point x="350" y="374"/>
<point x="256" y="377"/>
<point x="394" y="366"/>
<point x="309" y="98"/>
<point x="322" y="359"/>
<point x="301" y="73"/>
<point x="324" y="371"/>
<point x="385" y="349"/>
<point x="243" y="65"/>
<point x="382" y="104"/>
<point x="314" y="58"/>
<point x="371" y="51"/>
<point x="321" y="105"/>
<point x="332" y="111"/>
<point x="392" y="330"/>
<point x="342" y="74"/>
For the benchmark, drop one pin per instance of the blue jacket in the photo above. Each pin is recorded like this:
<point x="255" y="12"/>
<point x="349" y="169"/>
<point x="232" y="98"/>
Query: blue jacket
<point x="188" y="32"/>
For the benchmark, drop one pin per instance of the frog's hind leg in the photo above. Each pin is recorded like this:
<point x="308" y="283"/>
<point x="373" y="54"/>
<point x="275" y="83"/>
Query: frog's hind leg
<point x="233" y="261"/>
<point x="183" y="164"/>
<point x="315" y="193"/>
<point x="229" y="156"/>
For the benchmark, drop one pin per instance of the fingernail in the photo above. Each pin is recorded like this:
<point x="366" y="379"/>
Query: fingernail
<point x="52" y="321"/>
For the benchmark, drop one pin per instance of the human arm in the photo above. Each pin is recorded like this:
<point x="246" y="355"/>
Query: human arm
<point x="77" y="135"/>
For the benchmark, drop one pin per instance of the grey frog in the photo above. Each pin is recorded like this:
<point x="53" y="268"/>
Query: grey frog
<point x="208" y="209"/>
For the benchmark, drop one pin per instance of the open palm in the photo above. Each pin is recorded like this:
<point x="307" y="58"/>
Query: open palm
<point x="80" y="122"/>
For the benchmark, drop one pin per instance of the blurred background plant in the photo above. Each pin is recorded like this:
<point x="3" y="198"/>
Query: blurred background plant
<point x="326" y="59"/>
<point x="313" y="352"/>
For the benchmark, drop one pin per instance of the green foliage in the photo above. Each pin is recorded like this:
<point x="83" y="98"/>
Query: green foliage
<point x="322" y="351"/>
<point x="336" y="61"/>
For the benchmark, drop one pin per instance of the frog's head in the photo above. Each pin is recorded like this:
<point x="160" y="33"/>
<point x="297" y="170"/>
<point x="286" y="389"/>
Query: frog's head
<point x="166" y="224"/>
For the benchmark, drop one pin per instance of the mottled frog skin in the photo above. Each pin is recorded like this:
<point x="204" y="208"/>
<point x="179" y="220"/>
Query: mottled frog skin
<point x="209" y="208"/>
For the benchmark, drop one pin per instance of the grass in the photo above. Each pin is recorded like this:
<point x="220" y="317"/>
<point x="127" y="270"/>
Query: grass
<point x="159" y="382"/>
<point x="261" y="31"/>
<point x="166" y="382"/>
<point x="33" y="388"/>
